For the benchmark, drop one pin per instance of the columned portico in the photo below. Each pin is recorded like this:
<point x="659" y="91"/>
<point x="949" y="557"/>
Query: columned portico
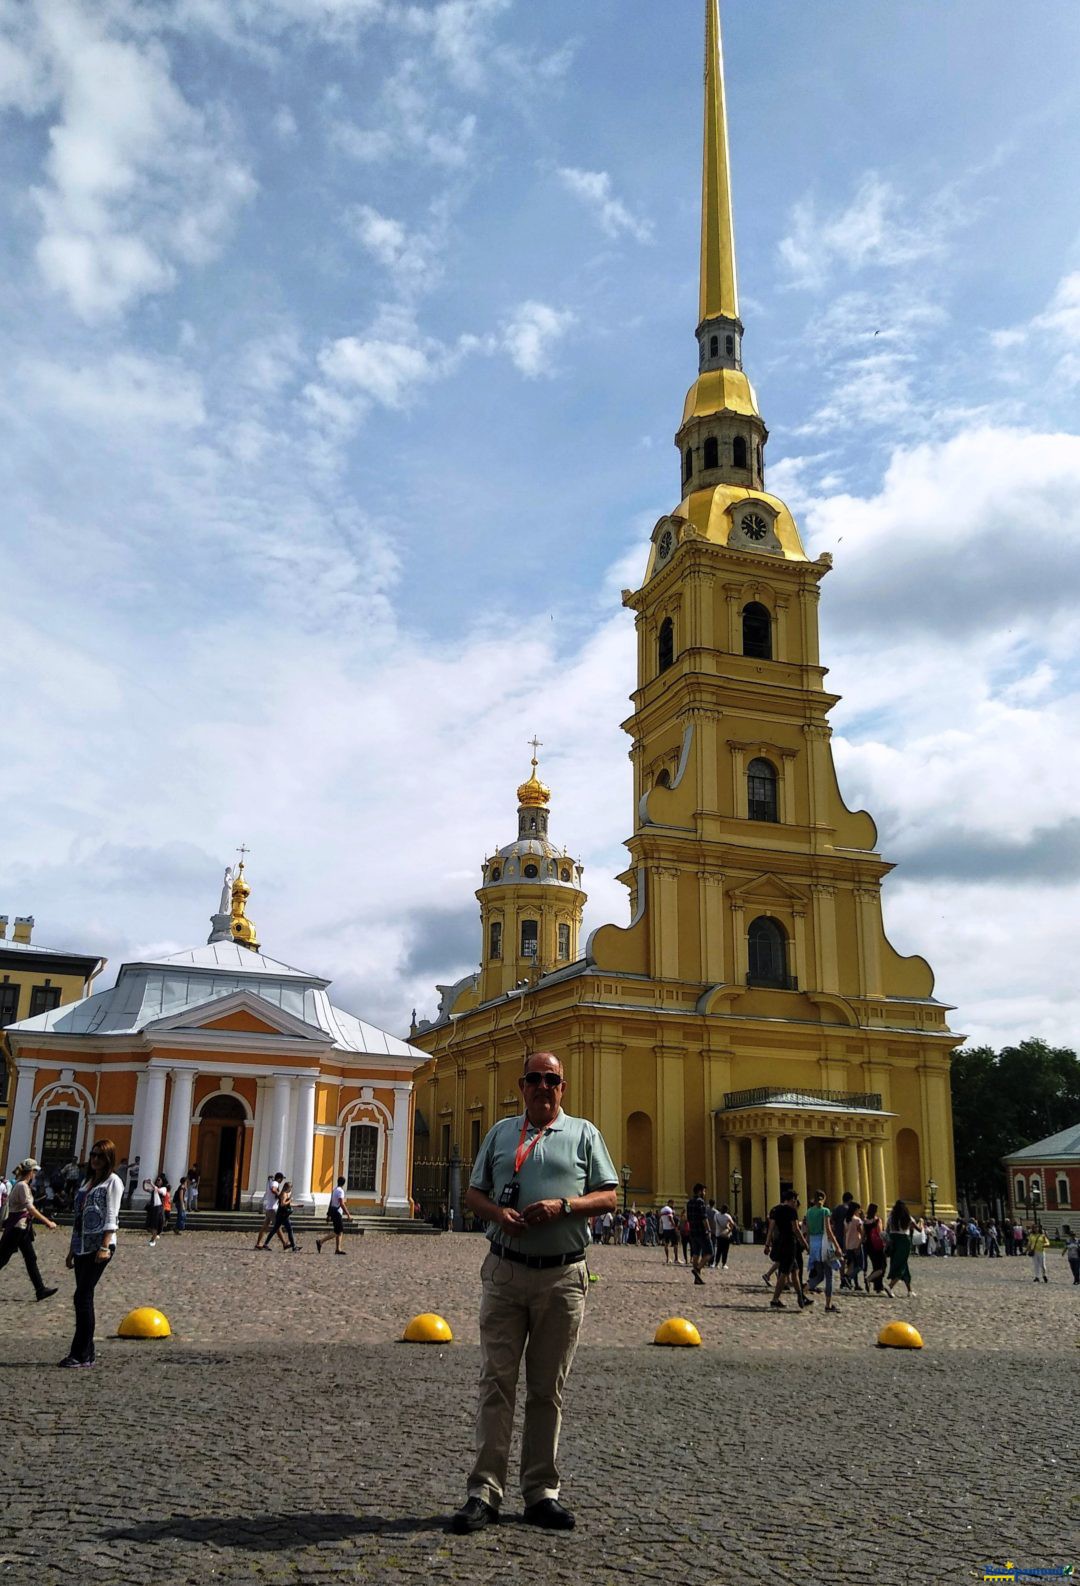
<point x="279" y="1126"/>
<point x="148" y="1144"/>
<point x="304" y="1140"/>
<point x="810" y="1140"/>
<point x="178" y="1139"/>
<point x="397" y="1196"/>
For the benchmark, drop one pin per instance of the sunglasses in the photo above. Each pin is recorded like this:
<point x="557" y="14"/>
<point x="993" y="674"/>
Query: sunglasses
<point x="550" y="1081"/>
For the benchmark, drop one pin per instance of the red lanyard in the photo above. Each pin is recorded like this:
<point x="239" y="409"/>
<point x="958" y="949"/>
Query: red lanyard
<point x="521" y="1155"/>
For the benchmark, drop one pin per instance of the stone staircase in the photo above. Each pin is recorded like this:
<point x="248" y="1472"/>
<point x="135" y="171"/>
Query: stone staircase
<point x="311" y="1224"/>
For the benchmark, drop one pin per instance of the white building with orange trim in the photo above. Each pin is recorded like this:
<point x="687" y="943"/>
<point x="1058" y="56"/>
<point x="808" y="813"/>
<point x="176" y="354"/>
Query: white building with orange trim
<point x="222" y="1057"/>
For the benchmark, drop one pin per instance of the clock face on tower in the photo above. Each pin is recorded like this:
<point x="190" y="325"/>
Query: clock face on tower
<point x="663" y="548"/>
<point x="754" y="526"/>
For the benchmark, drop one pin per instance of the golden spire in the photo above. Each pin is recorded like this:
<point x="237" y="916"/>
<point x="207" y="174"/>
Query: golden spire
<point x="243" y="931"/>
<point x="719" y="287"/>
<point x="533" y="793"/>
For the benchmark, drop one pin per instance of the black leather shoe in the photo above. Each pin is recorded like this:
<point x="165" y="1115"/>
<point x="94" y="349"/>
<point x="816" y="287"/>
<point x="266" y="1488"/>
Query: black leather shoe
<point x="473" y="1515"/>
<point x="550" y="1513"/>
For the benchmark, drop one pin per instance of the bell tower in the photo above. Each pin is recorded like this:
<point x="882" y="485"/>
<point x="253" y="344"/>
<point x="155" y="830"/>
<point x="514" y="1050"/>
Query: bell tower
<point x="530" y="899"/>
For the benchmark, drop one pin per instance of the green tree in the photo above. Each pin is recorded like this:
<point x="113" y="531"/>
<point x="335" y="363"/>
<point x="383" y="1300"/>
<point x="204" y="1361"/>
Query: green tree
<point x="1005" y="1100"/>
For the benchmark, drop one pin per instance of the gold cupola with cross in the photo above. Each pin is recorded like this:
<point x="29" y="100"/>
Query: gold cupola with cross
<point x="530" y="899"/>
<point x="752" y="1025"/>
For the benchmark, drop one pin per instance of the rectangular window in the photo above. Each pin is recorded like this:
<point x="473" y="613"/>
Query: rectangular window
<point x="9" y="1004"/>
<point x="43" y="999"/>
<point x="530" y="938"/>
<point x="58" y="1141"/>
<point x="1062" y="1190"/>
<point x="495" y="940"/>
<point x="363" y="1157"/>
<point x="564" y="941"/>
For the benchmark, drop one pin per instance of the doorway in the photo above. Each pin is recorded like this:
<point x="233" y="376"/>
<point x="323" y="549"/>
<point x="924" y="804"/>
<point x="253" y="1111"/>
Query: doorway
<point x="220" y="1153"/>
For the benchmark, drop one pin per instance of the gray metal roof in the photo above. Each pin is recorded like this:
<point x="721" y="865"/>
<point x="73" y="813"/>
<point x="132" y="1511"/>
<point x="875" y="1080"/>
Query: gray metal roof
<point x="164" y="988"/>
<point x="1065" y="1143"/>
<point x="8" y="944"/>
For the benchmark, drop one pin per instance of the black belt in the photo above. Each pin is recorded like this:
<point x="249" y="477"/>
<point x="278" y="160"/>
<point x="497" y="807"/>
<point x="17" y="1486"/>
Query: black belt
<point x="537" y="1262"/>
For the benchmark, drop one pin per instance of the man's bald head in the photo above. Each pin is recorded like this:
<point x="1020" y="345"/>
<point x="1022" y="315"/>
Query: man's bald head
<point x="541" y="1060"/>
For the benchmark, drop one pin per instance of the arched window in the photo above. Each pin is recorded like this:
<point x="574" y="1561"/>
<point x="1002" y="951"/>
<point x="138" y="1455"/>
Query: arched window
<point x="710" y="457"/>
<point x="564" y="940"/>
<point x="1020" y="1190"/>
<point x="714" y="346"/>
<point x="495" y="939"/>
<point x="729" y="346"/>
<point x="768" y="955"/>
<point x="1062" y="1190"/>
<point x="688" y="463"/>
<point x="530" y="938"/>
<point x="362" y="1158"/>
<point x="663" y="778"/>
<point x="738" y="452"/>
<point x="665" y="645"/>
<point x="761" y="802"/>
<point x="757" y="631"/>
<point x="59" y="1137"/>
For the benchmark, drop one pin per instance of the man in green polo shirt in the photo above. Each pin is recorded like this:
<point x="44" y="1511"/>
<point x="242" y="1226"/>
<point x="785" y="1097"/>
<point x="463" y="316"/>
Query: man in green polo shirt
<point x="537" y="1181"/>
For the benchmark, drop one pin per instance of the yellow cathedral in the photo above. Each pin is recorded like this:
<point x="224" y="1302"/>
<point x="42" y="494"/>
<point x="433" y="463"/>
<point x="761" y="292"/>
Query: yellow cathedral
<point x="752" y="1026"/>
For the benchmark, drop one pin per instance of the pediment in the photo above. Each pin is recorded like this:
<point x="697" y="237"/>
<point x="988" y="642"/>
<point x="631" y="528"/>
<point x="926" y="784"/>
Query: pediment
<point x="769" y="888"/>
<point x="240" y="1013"/>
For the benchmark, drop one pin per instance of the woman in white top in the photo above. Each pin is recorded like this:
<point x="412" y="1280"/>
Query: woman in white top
<point x="93" y="1244"/>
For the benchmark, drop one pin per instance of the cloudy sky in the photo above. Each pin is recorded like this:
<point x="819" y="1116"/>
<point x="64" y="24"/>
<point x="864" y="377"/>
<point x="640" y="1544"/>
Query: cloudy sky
<point x="342" y="343"/>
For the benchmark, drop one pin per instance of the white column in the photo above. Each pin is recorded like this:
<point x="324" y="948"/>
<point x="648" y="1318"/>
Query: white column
<point x="178" y="1139"/>
<point x="22" y="1102"/>
<point x="278" y="1140"/>
<point x="137" y="1113"/>
<point x="397" y="1195"/>
<point x="304" y="1141"/>
<point x="257" y="1174"/>
<point x="149" y="1146"/>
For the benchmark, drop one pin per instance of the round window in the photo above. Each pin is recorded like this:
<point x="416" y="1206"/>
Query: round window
<point x="496" y="872"/>
<point x="564" y="875"/>
<point x="530" y="872"/>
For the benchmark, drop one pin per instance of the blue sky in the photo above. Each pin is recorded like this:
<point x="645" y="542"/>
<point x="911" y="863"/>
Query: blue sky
<point x="341" y="350"/>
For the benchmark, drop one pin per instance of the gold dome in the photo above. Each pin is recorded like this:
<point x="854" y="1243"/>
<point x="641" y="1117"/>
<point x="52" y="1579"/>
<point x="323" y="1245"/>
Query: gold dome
<point x="243" y="930"/>
<point x="533" y="794"/>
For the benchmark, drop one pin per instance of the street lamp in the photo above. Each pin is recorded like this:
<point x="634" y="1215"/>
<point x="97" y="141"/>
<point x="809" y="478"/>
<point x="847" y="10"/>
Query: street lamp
<point x="931" y="1190"/>
<point x="625" y="1173"/>
<point x="736" y="1186"/>
<point x="1036" y="1200"/>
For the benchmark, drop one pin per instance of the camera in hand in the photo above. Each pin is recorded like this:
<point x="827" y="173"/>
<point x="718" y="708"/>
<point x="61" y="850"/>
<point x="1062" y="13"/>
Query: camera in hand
<point x="511" y="1194"/>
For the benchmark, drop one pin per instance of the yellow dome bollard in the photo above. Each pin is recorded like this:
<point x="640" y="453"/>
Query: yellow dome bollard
<point x="899" y="1335"/>
<point x="144" y="1322"/>
<point x="428" y="1329"/>
<point x="677" y="1330"/>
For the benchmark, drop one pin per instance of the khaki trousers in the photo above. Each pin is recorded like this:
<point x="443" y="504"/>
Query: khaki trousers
<point x="538" y="1313"/>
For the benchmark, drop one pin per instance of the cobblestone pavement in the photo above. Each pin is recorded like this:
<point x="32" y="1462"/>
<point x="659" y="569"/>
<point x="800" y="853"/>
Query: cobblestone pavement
<point x="283" y="1435"/>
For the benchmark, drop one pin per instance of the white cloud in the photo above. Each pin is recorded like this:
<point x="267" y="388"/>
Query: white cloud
<point x="138" y="182"/>
<point x="594" y="189"/>
<point x="385" y="371"/>
<point x="123" y="389"/>
<point x="875" y="228"/>
<point x="531" y="334"/>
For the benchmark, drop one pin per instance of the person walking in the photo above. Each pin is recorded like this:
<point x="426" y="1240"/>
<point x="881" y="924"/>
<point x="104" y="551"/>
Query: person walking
<point x="155" y="1207"/>
<point x="1072" y="1250"/>
<point x="725" y="1233"/>
<point x="20" y="1216"/>
<point x="898" y="1247"/>
<point x="270" y="1200"/>
<point x="283" y="1220"/>
<point x="93" y="1244"/>
<point x="839" y="1216"/>
<point x="697" y="1215"/>
<point x="669" y="1233"/>
<point x="193" y="1178"/>
<point x="337" y="1213"/>
<point x="1038" y="1244"/>
<point x="825" y="1253"/>
<point x="874" y="1245"/>
<point x="782" y="1237"/>
<point x="536" y="1181"/>
<point x="853" y="1246"/>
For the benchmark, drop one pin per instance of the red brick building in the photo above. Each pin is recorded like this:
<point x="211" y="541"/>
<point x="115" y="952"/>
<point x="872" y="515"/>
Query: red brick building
<point x="1044" y="1179"/>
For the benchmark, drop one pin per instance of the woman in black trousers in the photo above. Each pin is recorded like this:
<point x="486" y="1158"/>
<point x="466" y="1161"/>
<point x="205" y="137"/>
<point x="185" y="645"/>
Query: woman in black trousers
<point x="93" y="1245"/>
<point x="18" y="1232"/>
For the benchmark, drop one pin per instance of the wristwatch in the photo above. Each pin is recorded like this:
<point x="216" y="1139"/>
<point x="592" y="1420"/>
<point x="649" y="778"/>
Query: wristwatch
<point x="565" y="1207"/>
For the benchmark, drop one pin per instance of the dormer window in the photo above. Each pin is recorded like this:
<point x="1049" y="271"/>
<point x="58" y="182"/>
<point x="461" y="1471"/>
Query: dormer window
<point x="530" y="872"/>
